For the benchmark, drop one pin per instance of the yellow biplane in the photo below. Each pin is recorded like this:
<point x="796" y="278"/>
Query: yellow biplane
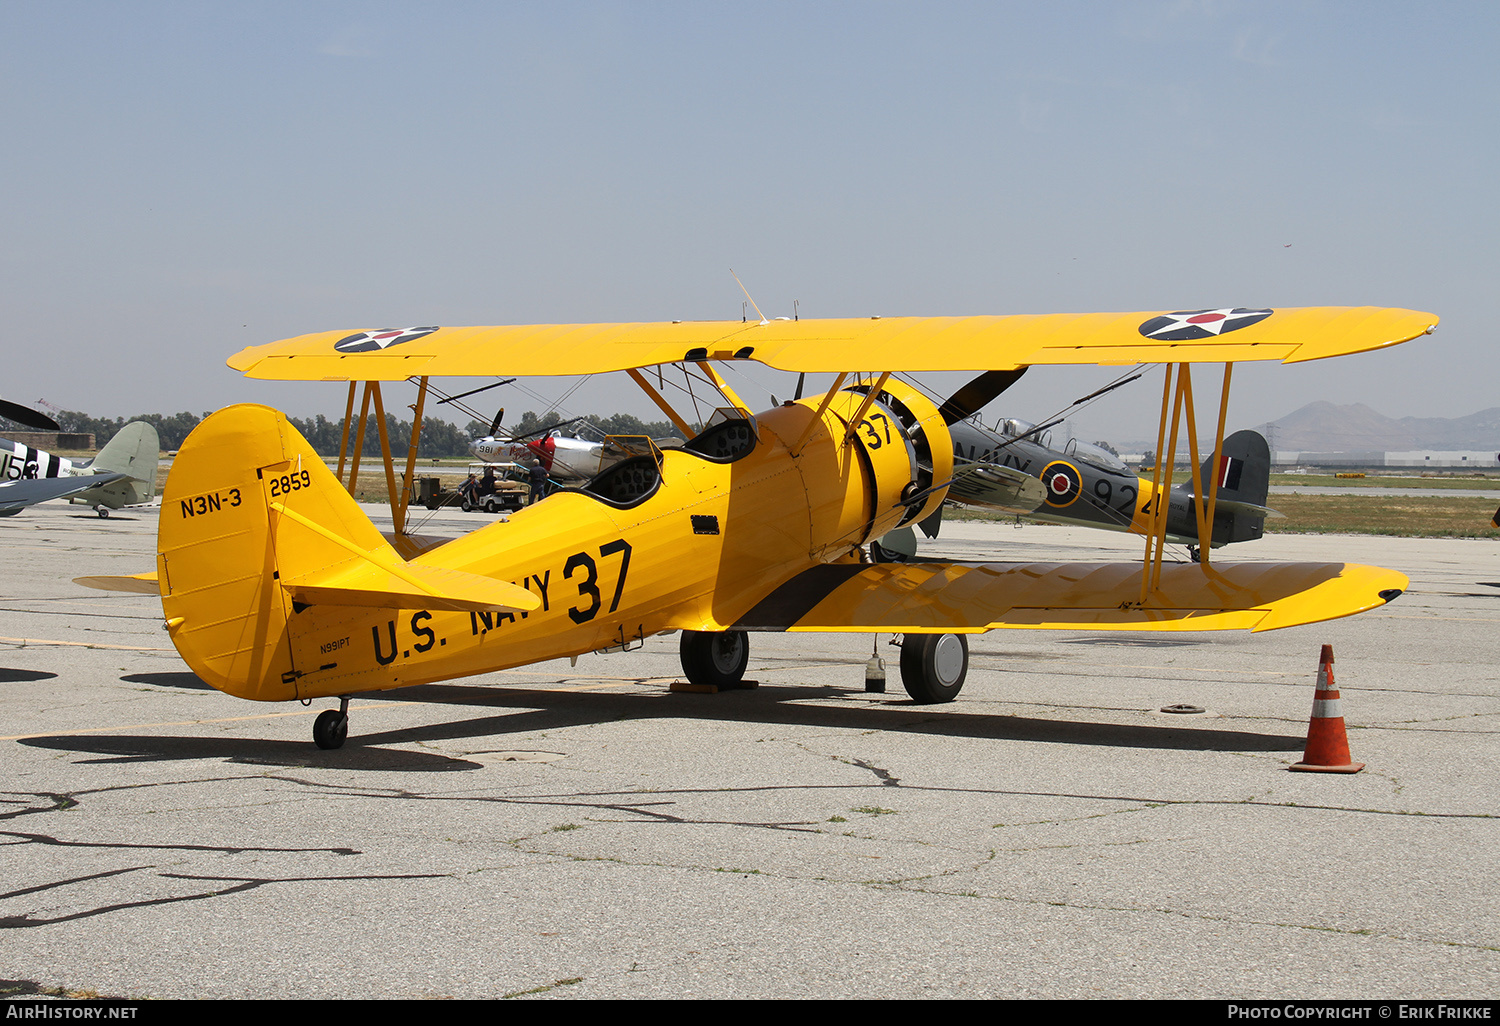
<point x="276" y="586"/>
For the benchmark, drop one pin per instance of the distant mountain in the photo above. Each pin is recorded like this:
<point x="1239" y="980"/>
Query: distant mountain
<point x="1325" y="427"/>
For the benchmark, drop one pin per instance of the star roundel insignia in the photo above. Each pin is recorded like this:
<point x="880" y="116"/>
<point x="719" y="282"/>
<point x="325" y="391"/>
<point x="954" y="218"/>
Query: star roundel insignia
<point x="1190" y="324"/>
<point x="380" y="338"/>
<point x="1062" y="483"/>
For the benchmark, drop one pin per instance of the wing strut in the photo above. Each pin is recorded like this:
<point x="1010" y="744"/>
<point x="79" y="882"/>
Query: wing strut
<point x="1213" y="488"/>
<point x="662" y="404"/>
<point x="817" y="418"/>
<point x="385" y="451"/>
<point x="1161" y="484"/>
<point x="398" y="512"/>
<point x="1161" y="480"/>
<point x="348" y="422"/>
<point x="864" y="407"/>
<point x="359" y="436"/>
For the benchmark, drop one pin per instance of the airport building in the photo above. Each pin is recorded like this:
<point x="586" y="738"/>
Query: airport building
<point x="1426" y="459"/>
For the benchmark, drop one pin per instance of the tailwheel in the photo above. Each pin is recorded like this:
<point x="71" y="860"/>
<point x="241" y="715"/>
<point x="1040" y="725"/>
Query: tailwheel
<point x="332" y="726"/>
<point x="933" y="666"/>
<point x="715" y="658"/>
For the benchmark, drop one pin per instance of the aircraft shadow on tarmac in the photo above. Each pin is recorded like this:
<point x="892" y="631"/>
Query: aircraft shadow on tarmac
<point x="529" y="710"/>
<point x="12" y="675"/>
<point x="551" y="710"/>
<point x="128" y="748"/>
<point x="1130" y="642"/>
<point x="185" y="679"/>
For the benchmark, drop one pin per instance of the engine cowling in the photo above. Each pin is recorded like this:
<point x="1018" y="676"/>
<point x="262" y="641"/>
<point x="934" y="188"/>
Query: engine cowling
<point x="894" y="470"/>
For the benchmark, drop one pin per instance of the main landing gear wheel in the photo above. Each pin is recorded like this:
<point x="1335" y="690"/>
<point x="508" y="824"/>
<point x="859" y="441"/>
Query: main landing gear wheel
<point x="898" y="546"/>
<point x="880" y="554"/>
<point x="332" y="726"/>
<point x="103" y="512"/>
<point x="715" y="658"/>
<point x="933" y="666"/>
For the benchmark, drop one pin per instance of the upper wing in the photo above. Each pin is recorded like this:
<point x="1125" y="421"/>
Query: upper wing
<point x="17" y="495"/>
<point x="896" y="343"/>
<point x="970" y="597"/>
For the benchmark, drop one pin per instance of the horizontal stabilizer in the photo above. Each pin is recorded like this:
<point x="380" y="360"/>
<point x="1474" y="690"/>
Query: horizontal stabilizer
<point x="139" y="584"/>
<point x="970" y="597"/>
<point x="409" y="586"/>
<point x="381" y="578"/>
<point x="1246" y="509"/>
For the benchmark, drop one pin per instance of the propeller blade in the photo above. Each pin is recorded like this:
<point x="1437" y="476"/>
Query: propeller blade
<point x="977" y="394"/>
<point x="29" y="417"/>
<point x="495" y="424"/>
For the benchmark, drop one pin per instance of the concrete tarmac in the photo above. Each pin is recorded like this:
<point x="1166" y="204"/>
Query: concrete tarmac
<point x="565" y="831"/>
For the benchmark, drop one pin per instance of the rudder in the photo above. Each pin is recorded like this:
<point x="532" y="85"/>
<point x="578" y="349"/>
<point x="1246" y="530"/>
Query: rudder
<point x="262" y="557"/>
<point x="219" y="565"/>
<point x="135" y="450"/>
<point x="1244" y="476"/>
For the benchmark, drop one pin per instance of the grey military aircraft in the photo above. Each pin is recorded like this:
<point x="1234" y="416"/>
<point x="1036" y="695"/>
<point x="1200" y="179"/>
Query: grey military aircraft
<point x="1012" y="468"/>
<point x="123" y="474"/>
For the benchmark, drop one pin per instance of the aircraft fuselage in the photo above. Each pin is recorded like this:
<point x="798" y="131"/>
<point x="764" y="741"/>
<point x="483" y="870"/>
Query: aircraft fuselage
<point x="693" y="545"/>
<point x="1082" y="486"/>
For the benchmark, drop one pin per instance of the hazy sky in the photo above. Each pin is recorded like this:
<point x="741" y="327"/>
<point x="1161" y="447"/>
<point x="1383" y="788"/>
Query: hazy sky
<point x="185" y="179"/>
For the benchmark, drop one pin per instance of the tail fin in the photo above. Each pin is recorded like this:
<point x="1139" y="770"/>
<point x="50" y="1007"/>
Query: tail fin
<point x="1244" y="476"/>
<point x="262" y="555"/>
<point x="135" y="450"/>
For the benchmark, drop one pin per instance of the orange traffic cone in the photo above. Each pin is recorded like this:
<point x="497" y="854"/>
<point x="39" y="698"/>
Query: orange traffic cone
<point x="1327" y="743"/>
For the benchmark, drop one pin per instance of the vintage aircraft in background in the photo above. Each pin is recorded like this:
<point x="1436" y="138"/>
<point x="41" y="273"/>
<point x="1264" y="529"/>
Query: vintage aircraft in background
<point x="563" y="457"/>
<point x="567" y="459"/>
<point x="122" y="474"/>
<point x="275" y="586"/>
<point x="1013" y="468"/>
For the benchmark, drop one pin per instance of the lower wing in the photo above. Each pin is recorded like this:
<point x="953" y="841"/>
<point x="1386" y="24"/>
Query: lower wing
<point x="17" y="495"/>
<point x="996" y="486"/>
<point x="972" y="597"/>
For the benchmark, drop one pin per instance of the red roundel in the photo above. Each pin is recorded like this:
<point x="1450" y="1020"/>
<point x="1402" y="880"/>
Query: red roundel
<point x="1062" y="483"/>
